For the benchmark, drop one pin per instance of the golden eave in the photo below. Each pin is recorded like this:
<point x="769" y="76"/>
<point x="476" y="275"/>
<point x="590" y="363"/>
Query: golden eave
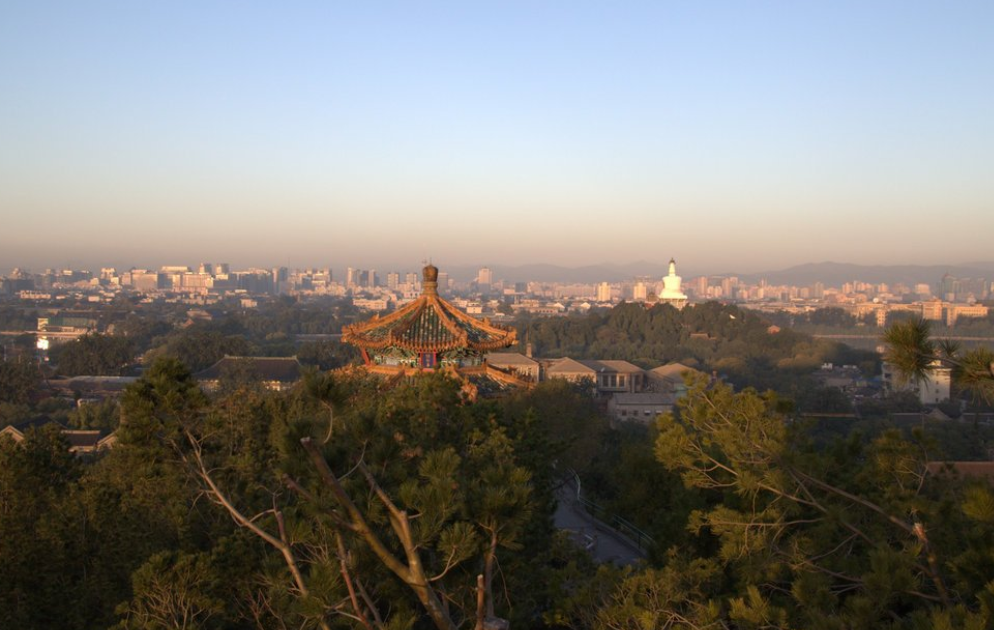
<point x="401" y="324"/>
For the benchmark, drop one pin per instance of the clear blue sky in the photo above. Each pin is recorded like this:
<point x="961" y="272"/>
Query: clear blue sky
<point x="732" y="135"/>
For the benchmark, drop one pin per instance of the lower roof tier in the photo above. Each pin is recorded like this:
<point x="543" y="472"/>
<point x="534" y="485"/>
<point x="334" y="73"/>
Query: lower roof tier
<point x="426" y="325"/>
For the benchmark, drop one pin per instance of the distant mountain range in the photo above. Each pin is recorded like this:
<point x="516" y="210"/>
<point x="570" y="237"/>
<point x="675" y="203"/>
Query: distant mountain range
<point x="829" y="273"/>
<point x="835" y="274"/>
<point x="554" y="273"/>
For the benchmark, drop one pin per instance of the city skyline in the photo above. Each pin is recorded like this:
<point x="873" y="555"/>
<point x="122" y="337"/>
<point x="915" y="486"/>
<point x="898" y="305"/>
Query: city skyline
<point x="828" y="274"/>
<point x="949" y="300"/>
<point x="526" y="271"/>
<point x="742" y="138"/>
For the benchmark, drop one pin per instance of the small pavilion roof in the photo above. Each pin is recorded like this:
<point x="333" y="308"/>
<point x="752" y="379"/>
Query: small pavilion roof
<point x="612" y="365"/>
<point x="510" y="358"/>
<point x="429" y="324"/>
<point x="671" y="371"/>
<point x="567" y="365"/>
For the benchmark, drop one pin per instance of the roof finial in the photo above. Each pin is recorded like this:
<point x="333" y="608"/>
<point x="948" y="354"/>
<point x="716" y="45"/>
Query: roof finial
<point x="430" y="284"/>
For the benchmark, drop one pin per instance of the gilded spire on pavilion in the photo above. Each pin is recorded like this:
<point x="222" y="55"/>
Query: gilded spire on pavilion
<point x="427" y="333"/>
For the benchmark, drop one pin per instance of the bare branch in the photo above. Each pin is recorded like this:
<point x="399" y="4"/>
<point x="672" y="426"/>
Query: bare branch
<point x="279" y="543"/>
<point x="359" y="523"/>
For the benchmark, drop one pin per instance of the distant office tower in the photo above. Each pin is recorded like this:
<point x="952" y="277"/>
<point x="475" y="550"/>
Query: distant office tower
<point x="603" y="292"/>
<point x="411" y="278"/>
<point x="206" y="268"/>
<point x="700" y="286"/>
<point x="281" y="277"/>
<point x="194" y="281"/>
<point x="947" y="288"/>
<point x="485" y="277"/>
<point x="143" y="280"/>
<point x="639" y="291"/>
<point x="352" y="277"/>
<point x="444" y="283"/>
<point x="223" y="268"/>
<point x="393" y="279"/>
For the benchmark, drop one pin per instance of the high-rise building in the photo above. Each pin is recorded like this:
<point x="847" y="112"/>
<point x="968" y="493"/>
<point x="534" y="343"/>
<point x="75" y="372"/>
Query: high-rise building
<point x="699" y="286"/>
<point x="393" y="279"/>
<point x="728" y="286"/>
<point x="143" y="280"/>
<point x="603" y="292"/>
<point x="281" y="277"/>
<point x="639" y="291"/>
<point x="485" y="277"/>
<point x="357" y="278"/>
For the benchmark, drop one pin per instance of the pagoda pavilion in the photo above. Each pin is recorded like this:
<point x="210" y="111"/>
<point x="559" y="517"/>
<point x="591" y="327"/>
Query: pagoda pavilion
<point x="431" y="334"/>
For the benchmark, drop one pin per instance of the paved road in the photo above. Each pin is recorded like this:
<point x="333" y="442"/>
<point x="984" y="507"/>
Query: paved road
<point x="604" y="543"/>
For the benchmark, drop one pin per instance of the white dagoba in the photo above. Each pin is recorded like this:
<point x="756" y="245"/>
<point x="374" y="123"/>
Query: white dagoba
<point x="671" y="293"/>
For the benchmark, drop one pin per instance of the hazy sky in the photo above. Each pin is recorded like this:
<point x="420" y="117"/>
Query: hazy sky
<point x="731" y="135"/>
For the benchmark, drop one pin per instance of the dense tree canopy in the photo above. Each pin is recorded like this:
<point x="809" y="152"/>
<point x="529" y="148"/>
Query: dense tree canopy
<point x="223" y="509"/>
<point x="355" y="502"/>
<point x="200" y="349"/>
<point x="913" y="351"/>
<point x="18" y="380"/>
<point x="94" y="354"/>
<point x="737" y="343"/>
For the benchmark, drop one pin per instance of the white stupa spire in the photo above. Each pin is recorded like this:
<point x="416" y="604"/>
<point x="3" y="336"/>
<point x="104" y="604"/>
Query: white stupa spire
<point x="671" y="287"/>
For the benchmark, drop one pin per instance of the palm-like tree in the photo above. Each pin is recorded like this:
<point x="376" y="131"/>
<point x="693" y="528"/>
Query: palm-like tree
<point x="913" y="352"/>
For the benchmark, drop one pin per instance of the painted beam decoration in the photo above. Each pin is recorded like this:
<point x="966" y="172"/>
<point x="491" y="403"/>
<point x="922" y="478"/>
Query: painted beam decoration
<point x="429" y="333"/>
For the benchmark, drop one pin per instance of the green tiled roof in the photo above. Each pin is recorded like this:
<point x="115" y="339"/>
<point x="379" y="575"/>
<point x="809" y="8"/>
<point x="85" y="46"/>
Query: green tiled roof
<point x="429" y="324"/>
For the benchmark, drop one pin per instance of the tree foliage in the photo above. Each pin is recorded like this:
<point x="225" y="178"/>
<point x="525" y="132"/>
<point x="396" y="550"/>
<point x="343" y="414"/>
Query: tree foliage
<point x="379" y="507"/>
<point x="200" y="349"/>
<point x="711" y="336"/>
<point x="18" y="380"/>
<point x="94" y="354"/>
<point x="851" y="536"/>
<point x="913" y="351"/>
<point x="352" y="502"/>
